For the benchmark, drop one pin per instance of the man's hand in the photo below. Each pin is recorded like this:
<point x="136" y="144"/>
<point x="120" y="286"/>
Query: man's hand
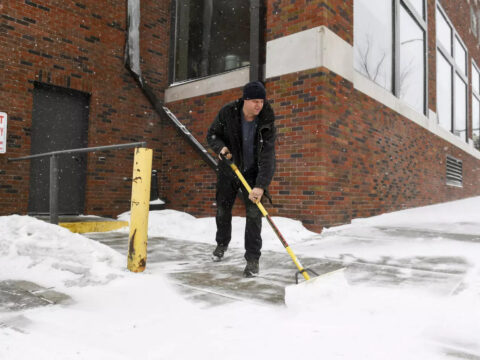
<point x="225" y="152"/>
<point x="256" y="195"/>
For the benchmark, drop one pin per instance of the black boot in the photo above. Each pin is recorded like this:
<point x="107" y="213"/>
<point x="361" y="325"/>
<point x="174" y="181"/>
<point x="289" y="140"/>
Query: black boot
<point x="251" y="269"/>
<point x="219" y="252"/>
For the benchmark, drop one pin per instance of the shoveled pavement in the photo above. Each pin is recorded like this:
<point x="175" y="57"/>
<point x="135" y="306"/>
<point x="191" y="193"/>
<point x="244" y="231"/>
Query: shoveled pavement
<point x="191" y="268"/>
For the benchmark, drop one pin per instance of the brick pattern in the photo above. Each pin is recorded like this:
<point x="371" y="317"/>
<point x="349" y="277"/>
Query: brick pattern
<point x="155" y="43"/>
<point x="343" y="155"/>
<point x="286" y="17"/>
<point x="79" y="45"/>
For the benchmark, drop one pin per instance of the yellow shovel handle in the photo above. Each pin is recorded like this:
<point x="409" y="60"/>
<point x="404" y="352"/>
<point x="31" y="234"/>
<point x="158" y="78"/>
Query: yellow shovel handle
<point x="249" y="189"/>
<point x="300" y="268"/>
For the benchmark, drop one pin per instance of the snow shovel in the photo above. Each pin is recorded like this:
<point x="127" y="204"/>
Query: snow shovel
<point x="301" y="269"/>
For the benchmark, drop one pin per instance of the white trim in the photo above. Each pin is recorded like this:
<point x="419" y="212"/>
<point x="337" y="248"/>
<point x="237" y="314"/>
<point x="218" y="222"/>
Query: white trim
<point x="337" y="54"/>
<point x="370" y="88"/>
<point x="229" y="80"/>
<point x="309" y="49"/>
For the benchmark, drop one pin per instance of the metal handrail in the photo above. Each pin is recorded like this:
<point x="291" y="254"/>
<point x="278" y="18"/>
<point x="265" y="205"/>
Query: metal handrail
<point x="81" y="150"/>
<point x="54" y="168"/>
<point x="165" y="113"/>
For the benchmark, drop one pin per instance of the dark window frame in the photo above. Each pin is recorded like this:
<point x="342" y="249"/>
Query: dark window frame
<point x="256" y="46"/>
<point x="422" y="21"/>
<point x="449" y="55"/>
<point x="475" y="96"/>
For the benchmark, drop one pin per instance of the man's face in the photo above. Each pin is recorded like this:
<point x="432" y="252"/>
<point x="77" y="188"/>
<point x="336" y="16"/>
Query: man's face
<point x="252" y="107"/>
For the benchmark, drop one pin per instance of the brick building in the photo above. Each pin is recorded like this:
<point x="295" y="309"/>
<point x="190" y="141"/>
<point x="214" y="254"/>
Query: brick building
<point x="377" y="101"/>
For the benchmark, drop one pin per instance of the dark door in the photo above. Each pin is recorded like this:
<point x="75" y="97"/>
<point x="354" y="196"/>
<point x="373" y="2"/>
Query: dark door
<point x="59" y="122"/>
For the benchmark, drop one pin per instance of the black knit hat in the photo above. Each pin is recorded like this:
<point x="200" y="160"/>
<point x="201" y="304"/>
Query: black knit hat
<point x="254" y="90"/>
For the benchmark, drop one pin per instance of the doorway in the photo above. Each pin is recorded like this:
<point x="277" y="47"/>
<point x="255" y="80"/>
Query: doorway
<point x="59" y="122"/>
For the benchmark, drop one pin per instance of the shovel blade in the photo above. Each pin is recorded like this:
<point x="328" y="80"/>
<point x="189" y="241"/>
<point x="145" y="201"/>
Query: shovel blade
<point x="318" y="289"/>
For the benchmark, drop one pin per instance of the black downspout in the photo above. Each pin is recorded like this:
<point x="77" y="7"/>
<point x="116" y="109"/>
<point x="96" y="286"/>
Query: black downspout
<point x="257" y="40"/>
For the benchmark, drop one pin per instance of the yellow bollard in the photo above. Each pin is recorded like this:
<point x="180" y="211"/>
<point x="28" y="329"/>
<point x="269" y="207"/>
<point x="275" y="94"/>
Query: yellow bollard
<point x="137" y="246"/>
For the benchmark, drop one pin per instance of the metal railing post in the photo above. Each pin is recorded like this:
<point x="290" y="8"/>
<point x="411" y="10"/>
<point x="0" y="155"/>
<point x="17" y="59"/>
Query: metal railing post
<point x="54" y="181"/>
<point x="54" y="189"/>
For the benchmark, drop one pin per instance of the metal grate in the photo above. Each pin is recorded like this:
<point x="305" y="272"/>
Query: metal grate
<point x="454" y="171"/>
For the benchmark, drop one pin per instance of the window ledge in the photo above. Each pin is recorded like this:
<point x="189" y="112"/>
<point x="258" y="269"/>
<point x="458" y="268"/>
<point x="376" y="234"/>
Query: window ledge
<point x="215" y="83"/>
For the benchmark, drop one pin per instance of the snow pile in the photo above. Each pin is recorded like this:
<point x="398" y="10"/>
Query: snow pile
<point x="180" y="225"/>
<point x="312" y="293"/>
<point x="30" y="249"/>
<point x="460" y="216"/>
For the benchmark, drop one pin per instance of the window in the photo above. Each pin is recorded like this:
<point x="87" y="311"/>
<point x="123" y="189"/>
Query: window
<point x="398" y="66"/>
<point x="475" y="106"/>
<point x="444" y="33"/>
<point x="444" y="92"/>
<point x="373" y="43"/>
<point x="412" y="60"/>
<point x="451" y="78"/>
<point x="475" y="79"/>
<point x="418" y="6"/>
<point x="460" y="105"/>
<point x="473" y="21"/>
<point x="211" y="37"/>
<point x="460" y="56"/>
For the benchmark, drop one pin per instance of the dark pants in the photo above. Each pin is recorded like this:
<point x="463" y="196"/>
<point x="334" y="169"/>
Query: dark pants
<point x="227" y="189"/>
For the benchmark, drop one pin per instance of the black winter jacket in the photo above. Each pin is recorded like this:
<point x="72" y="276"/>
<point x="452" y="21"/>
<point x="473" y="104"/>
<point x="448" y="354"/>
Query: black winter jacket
<point x="226" y="130"/>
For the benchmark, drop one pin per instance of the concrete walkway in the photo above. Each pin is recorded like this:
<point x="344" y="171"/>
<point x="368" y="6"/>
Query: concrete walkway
<point x="190" y="267"/>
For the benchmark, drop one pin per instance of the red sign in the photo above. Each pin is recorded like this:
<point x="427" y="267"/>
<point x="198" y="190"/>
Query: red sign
<point x="3" y="133"/>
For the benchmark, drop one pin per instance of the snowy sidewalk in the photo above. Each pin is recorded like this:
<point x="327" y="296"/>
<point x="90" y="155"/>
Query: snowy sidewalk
<point x="413" y="291"/>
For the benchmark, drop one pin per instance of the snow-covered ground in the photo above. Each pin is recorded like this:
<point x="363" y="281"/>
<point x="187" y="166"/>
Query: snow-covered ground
<point x="118" y="315"/>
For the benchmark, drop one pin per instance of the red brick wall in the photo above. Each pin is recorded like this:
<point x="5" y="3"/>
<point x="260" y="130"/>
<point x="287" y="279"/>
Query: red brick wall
<point x="286" y="17"/>
<point x="80" y="45"/>
<point x="341" y="155"/>
<point x="155" y="43"/>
